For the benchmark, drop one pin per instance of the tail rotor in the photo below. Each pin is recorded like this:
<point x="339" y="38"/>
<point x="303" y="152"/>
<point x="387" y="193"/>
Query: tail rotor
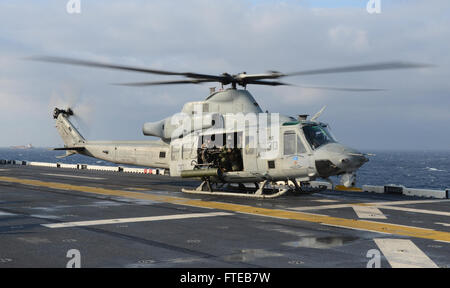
<point x="68" y="102"/>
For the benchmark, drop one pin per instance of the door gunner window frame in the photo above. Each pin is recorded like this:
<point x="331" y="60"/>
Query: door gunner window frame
<point x="297" y="145"/>
<point x="289" y="139"/>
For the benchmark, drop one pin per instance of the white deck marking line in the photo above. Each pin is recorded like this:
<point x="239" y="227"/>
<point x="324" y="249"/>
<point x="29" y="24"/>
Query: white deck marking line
<point x="383" y="205"/>
<point x="73" y="176"/>
<point x="403" y="253"/>
<point x="433" y="212"/>
<point x="353" y="228"/>
<point x="6" y="214"/>
<point x="132" y="220"/>
<point x="325" y="201"/>
<point x="368" y="212"/>
<point x="444" y="224"/>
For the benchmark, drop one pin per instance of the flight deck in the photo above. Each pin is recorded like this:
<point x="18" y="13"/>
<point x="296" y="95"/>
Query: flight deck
<point x="117" y="219"/>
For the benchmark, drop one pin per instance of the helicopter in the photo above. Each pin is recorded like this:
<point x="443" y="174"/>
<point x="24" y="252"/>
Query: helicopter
<point x="227" y="140"/>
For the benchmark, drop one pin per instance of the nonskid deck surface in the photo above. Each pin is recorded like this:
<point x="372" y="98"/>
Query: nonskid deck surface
<point x="132" y="220"/>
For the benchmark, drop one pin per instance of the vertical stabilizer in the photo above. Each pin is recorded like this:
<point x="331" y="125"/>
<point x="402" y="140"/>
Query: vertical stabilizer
<point x="66" y="130"/>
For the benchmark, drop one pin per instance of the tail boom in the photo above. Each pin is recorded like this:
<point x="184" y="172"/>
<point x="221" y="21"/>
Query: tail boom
<point x="141" y="153"/>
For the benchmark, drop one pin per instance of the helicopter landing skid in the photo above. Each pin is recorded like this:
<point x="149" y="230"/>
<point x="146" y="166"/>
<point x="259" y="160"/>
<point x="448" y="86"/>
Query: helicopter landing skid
<point x="260" y="191"/>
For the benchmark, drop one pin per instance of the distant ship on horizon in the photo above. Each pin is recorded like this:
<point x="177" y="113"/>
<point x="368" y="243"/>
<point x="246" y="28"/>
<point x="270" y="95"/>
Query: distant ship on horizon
<point x="23" y="147"/>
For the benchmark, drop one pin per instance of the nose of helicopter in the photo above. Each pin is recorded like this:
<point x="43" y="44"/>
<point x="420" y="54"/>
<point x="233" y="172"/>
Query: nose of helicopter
<point x="335" y="158"/>
<point x="350" y="159"/>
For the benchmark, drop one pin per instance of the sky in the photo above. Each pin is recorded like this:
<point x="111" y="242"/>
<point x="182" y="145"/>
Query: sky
<point x="209" y="36"/>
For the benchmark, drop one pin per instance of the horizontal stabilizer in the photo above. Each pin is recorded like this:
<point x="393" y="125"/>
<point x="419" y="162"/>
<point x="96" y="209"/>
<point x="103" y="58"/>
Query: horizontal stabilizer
<point x="68" y="153"/>
<point x="69" y="149"/>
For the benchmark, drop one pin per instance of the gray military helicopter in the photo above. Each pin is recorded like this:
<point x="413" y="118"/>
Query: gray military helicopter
<point x="227" y="140"/>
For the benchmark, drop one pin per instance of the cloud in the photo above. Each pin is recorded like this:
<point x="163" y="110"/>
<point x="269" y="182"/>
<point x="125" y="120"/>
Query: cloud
<point x="349" y="38"/>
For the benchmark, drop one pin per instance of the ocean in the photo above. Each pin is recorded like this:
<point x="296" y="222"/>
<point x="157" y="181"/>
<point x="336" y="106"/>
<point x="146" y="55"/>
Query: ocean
<point x="413" y="169"/>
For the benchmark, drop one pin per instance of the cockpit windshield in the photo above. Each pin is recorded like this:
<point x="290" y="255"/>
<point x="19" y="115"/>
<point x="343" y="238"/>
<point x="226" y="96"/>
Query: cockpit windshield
<point x="317" y="135"/>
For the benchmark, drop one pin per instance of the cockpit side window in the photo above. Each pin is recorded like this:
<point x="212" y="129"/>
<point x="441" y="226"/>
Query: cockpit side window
<point x="300" y="147"/>
<point x="317" y="135"/>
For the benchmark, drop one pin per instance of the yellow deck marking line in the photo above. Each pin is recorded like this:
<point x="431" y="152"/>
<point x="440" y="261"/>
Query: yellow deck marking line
<point x="408" y="202"/>
<point x="138" y="189"/>
<point x="322" y="207"/>
<point x="387" y="205"/>
<point x="405" y="209"/>
<point x="277" y="213"/>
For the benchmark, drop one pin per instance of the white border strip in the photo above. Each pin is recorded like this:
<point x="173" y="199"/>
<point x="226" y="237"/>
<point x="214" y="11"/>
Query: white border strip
<point x="73" y="176"/>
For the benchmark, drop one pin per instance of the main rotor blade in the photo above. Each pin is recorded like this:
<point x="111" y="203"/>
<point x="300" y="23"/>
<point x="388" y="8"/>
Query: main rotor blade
<point x="251" y="77"/>
<point x="138" y="84"/>
<point x="341" y="88"/>
<point x="240" y="79"/>
<point x="71" y="61"/>
<point x="360" y="68"/>
<point x="270" y="83"/>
